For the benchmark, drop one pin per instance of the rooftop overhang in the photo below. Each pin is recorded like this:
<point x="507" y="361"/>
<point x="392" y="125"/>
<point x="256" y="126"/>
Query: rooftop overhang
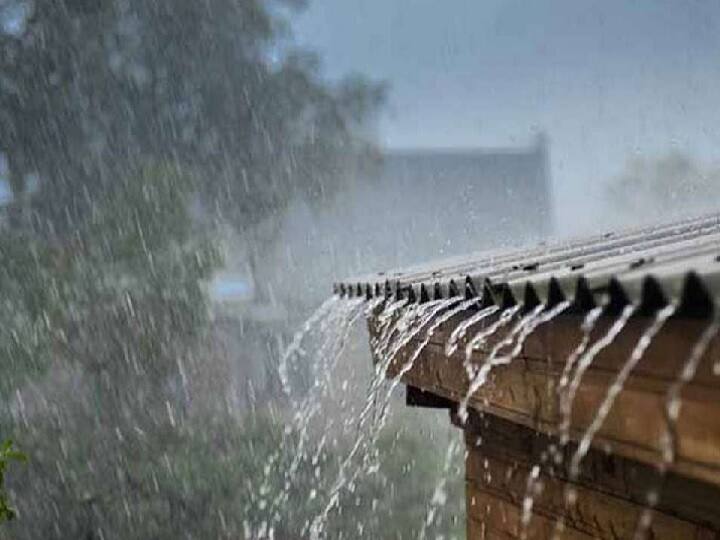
<point x="649" y="269"/>
<point x="679" y="262"/>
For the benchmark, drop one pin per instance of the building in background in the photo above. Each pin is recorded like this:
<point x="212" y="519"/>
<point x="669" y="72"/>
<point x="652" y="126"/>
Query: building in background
<point x="416" y="205"/>
<point x="465" y="199"/>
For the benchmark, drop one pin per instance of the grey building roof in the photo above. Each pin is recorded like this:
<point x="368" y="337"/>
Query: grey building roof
<point x="677" y="262"/>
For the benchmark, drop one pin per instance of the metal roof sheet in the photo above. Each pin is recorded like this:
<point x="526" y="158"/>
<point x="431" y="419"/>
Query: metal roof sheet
<point x="677" y="262"/>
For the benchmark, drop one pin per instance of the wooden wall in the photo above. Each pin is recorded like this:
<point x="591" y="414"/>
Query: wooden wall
<point x="514" y="422"/>
<point x="526" y="391"/>
<point x="611" y="492"/>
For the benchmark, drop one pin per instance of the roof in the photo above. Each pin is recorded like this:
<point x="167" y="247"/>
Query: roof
<point x="651" y="267"/>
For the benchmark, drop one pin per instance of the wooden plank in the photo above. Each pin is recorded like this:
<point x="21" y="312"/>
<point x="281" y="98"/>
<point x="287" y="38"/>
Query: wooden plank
<point x="608" y="506"/>
<point x="595" y="514"/>
<point x="526" y="391"/>
<point x="495" y="517"/>
<point x="688" y="499"/>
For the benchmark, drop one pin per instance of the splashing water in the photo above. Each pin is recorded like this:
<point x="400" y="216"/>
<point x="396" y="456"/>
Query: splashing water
<point x="531" y="491"/>
<point x="637" y="353"/>
<point x="532" y="325"/>
<point x="459" y="332"/>
<point x="408" y="325"/>
<point x="294" y="349"/>
<point x="583" y="363"/>
<point x="439" y="498"/>
<point x="587" y="327"/>
<point x="479" y="378"/>
<point x="334" y="321"/>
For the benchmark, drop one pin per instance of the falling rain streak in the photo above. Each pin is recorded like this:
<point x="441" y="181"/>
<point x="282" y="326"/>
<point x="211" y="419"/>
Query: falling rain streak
<point x="673" y="406"/>
<point x="583" y="363"/>
<point x="617" y="386"/>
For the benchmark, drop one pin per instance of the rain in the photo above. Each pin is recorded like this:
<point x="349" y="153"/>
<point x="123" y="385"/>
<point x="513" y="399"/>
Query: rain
<point x="322" y="269"/>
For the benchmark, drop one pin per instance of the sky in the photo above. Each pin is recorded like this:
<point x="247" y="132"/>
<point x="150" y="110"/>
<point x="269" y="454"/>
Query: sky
<point x="607" y="80"/>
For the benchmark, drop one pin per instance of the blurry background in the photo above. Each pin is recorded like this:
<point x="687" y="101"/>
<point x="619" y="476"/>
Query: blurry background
<point x="182" y="182"/>
<point x="610" y="82"/>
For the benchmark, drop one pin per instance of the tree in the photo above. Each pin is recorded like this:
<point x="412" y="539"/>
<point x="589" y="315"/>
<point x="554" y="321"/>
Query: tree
<point x="671" y="185"/>
<point x="98" y="332"/>
<point x="7" y="454"/>
<point x="90" y="86"/>
<point x="142" y="122"/>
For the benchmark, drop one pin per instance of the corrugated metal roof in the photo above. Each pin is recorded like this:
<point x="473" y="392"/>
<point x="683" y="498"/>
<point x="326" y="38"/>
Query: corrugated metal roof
<point x="678" y="262"/>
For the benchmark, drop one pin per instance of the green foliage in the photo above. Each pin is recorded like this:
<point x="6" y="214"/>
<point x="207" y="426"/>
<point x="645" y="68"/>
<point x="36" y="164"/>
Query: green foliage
<point x="111" y="320"/>
<point x="143" y="122"/>
<point x="217" y="478"/>
<point x="211" y="86"/>
<point x="105" y="318"/>
<point x="8" y="453"/>
<point x="127" y="282"/>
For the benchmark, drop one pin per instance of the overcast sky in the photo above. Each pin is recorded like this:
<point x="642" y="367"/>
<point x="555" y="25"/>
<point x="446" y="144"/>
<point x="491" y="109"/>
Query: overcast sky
<point x="605" y="79"/>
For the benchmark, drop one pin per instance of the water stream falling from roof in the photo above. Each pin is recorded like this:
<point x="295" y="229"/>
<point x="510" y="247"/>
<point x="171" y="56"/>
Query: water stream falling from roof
<point x="587" y="327"/>
<point x="478" y="376"/>
<point x="533" y="482"/>
<point x="436" y="319"/>
<point x="439" y="497"/>
<point x="617" y="386"/>
<point x="333" y="322"/>
<point x="402" y="331"/>
<point x="393" y="337"/>
<point x="533" y="487"/>
<point x="583" y="363"/>
<point x="543" y="315"/>
<point x="294" y="348"/>
<point x="673" y="406"/>
<point x="515" y="339"/>
<point x="480" y="338"/>
<point x="614" y="390"/>
<point x="459" y="332"/>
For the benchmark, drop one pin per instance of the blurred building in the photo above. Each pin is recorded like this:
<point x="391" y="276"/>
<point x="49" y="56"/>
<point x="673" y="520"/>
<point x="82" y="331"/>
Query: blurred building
<point x="417" y="205"/>
<point x="460" y="200"/>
